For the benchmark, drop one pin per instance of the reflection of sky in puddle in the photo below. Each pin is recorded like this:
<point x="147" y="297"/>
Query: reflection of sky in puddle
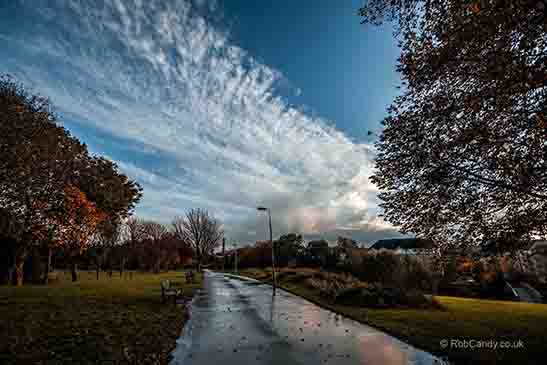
<point x="385" y="352"/>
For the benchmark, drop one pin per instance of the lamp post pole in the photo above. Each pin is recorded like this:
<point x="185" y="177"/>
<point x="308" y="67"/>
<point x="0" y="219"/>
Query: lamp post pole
<point x="223" y="252"/>
<point x="271" y="243"/>
<point x="235" y="258"/>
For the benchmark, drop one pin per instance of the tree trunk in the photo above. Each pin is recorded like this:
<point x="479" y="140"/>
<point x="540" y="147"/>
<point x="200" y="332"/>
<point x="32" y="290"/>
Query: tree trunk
<point x="199" y="262"/>
<point x="11" y="267"/>
<point x="434" y="286"/>
<point x="74" y="270"/>
<point x="20" y="256"/>
<point x="10" y="274"/>
<point x="97" y="268"/>
<point x="48" y="266"/>
<point x="103" y="259"/>
<point x="110" y="262"/>
<point x="122" y="264"/>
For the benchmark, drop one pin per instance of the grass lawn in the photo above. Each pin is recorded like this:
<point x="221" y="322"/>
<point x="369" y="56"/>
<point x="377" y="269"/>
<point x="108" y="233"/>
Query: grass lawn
<point x="460" y="318"/>
<point x="121" y="320"/>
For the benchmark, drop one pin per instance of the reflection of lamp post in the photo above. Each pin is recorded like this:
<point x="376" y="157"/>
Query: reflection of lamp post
<point x="264" y="209"/>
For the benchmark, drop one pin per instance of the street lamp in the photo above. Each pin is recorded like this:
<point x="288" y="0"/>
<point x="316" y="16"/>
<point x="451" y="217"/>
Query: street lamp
<point x="264" y="209"/>
<point x="235" y="257"/>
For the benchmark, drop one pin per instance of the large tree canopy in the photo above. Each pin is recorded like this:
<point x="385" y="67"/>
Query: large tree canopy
<point x="38" y="159"/>
<point x="288" y="247"/>
<point x="462" y="157"/>
<point x="52" y="189"/>
<point x="113" y="192"/>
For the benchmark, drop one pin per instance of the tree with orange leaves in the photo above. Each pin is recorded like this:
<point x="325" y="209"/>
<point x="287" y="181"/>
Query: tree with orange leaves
<point x="39" y="159"/>
<point x="76" y="219"/>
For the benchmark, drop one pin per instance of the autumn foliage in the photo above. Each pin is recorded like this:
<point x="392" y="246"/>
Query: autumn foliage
<point x="461" y="158"/>
<point x="53" y="193"/>
<point x="77" y="220"/>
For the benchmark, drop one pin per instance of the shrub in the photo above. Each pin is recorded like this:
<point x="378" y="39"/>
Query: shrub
<point x="348" y="296"/>
<point x="415" y="299"/>
<point x="391" y="270"/>
<point x="282" y="275"/>
<point x="326" y="288"/>
<point x="332" y="285"/>
<point x="345" y="289"/>
<point x="378" y="296"/>
<point x="297" y="277"/>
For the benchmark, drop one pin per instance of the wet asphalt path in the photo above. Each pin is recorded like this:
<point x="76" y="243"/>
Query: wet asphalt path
<point x="236" y="321"/>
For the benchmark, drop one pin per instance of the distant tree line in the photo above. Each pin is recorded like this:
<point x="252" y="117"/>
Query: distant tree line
<point x="137" y="244"/>
<point x="291" y="250"/>
<point x="382" y="267"/>
<point x="445" y="275"/>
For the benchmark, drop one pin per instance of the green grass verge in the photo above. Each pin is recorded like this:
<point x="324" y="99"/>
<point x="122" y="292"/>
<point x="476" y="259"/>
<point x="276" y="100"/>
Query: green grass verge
<point x="460" y="318"/>
<point x="120" y="320"/>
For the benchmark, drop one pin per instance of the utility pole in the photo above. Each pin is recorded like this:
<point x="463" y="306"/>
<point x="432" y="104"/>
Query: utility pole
<point x="271" y="243"/>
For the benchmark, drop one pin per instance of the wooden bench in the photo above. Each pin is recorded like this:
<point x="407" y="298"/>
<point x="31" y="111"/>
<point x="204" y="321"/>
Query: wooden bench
<point x="167" y="291"/>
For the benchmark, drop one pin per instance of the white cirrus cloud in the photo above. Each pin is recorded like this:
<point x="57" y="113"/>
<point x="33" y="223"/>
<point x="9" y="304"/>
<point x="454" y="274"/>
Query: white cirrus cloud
<point x="165" y="76"/>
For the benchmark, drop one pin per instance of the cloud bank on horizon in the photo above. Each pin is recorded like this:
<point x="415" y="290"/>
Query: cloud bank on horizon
<point x="202" y="122"/>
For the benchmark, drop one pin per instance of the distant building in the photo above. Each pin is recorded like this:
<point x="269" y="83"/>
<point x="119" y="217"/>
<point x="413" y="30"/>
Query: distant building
<point x="407" y="246"/>
<point x="403" y="245"/>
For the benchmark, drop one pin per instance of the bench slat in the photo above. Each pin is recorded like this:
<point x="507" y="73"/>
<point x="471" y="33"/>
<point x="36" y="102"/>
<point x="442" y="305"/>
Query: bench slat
<point x="168" y="291"/>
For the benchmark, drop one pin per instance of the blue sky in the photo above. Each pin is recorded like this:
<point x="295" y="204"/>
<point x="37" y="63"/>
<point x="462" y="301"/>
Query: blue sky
<point x="346" y="70"/>
<point x="219" y="105"/>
